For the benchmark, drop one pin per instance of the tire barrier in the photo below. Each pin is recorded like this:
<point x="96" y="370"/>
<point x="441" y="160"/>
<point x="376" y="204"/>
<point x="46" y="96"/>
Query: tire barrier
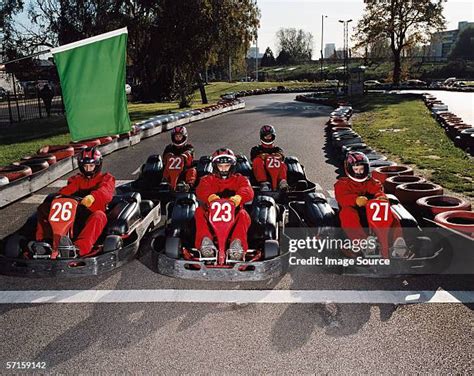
<point x="433" y="205"/>
<point x="408" y="193"/>
<point x="61" y="161"/>
<point x="382" y="173"/>
<point x="50" y="158"/>
<point x="3" y="180"/>
<point x="36" y="165"/>
<point x="459" y="220"/>
<point x="458" y="131"/>
<point x="15" y="172"/>
<point x="391" y="183"/>
<point x="59" y="151"/>
<point x="90" y="143"/>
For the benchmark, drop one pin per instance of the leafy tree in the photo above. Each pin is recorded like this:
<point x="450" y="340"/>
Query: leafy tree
<point x="403" y="22"/>
<point x="8" y="10"/>
<point x="297" y="43"/>
<point x="464" y="46"/>
<point x="283" y="58"/>
<point x="268" y="60"/>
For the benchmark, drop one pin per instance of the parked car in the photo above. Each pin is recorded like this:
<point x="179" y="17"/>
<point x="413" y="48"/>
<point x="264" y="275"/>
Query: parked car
<point x="415" y="83"/>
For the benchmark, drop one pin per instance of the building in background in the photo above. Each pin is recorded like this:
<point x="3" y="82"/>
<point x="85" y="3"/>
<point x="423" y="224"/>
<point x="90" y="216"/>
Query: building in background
<point x="442" y="42"/>
<point x="251" y="53"/>
<point x="329" y="50"/>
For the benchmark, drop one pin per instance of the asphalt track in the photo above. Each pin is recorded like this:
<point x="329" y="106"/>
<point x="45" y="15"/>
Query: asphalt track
<point x="142" y="329"/>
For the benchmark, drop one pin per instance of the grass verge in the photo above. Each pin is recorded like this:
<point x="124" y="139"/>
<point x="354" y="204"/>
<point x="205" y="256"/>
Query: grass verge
<point x="27" y="137"/>
<point x="401" y="127"/>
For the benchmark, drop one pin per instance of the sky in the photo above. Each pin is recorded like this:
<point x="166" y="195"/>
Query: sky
<point x="306" y="15"/>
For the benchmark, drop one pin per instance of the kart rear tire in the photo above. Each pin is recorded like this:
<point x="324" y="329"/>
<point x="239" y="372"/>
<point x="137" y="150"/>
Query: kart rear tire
<point x="271" y="249"/>
<point x="173" y="247"/>
<point x="112" y="243"/>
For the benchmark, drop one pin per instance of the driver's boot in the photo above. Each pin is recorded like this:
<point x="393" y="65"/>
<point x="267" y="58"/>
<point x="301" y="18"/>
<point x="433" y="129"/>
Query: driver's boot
<point x="208" y="249"/>
<point x="236" y="251"/>
<point x="400" y="249"/>
<point x="283" y="185"/>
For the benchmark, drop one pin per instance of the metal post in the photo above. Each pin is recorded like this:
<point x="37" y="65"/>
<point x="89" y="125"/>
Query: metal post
<point x="322" y="43"/>
<point x="230" y="69"/>
<point x="9" y="107"/>
<point x="256" y="58"/>
<point x="39" y="102"/>
<point x="16" y="97"/>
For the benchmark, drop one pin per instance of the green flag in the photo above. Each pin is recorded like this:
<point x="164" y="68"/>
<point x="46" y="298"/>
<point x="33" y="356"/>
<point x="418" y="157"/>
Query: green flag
<point x="92" y="74"/>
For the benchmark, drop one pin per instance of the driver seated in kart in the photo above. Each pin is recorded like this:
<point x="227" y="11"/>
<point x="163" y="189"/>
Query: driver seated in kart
<point x="97" y="190"/>
<point x="259" y="154"/>
<point x="180" y="147"/>
<point x="223" y="183"/>
<point x="353" y="192"/>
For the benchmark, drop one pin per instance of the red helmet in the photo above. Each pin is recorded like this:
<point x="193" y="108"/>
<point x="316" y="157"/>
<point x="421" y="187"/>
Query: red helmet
<point x="265" y="131"/>
<point x="93" y="156"/>
<point x="180" y="129"/>
<point x="220" y="156"/>
<point x="356" y="158"/>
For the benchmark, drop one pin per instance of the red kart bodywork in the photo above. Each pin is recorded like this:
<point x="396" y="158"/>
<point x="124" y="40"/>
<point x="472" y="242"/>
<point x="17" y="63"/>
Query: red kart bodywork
<point x="273" y="165"/>
<point x="380" y="219"/>
<point x="61" y="219"/>
<point x="173" y="169"/>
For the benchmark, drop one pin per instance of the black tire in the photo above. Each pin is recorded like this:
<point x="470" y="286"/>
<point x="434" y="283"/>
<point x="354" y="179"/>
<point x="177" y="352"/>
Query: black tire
<point x="13" y="246"/>
<point x="173" y="247"/>
<point x="112" y="243"/>
<point x="271" y="249"/>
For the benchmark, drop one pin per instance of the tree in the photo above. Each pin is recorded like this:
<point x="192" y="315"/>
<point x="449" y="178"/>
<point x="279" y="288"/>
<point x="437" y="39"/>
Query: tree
<point x="464" y="46"/>
<point x="268" y="60"/>
<point x="169" y="41"/>
<point x="403" y="22"/>
<point x="297" y="43"/>
<point x="8" y="10"/>
<point x="283" y="58"/>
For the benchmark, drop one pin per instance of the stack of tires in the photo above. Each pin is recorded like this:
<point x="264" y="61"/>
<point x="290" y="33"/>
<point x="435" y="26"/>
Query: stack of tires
<point x="422" y="198"/>
<point x="457" y="130"/>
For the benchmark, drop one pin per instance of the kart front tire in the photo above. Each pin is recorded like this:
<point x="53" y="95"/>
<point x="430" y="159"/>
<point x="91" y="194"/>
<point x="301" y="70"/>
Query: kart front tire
<point x="271" y="249"/>
<point x="173" y="247"/>
<point x="12" y="247"/>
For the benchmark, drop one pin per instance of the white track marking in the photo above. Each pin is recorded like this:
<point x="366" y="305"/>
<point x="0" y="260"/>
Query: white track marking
<point x="235" y="296"/>
<point x="137" y="171"/>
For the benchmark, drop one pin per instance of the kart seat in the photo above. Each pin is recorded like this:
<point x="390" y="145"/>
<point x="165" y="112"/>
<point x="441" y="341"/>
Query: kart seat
<point x="124" y="212"/>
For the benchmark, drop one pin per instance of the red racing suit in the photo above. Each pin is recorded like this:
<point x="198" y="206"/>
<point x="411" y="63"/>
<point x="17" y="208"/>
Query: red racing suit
<point x="189" y="174"/>
<point x="258" y="155"/>
<point x="346" y="191"/>
<point x="236" y="184"/>
<point x="102" y="187"/>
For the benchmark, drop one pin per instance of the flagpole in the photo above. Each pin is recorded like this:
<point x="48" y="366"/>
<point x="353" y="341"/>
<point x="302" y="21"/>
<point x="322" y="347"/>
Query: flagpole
<point x="26" y="57"/>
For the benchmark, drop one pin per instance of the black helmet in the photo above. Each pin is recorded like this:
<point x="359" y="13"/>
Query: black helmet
<point x="265" y="131"/>
<point x="356" y="158"/>
<point x="223" y="155"/>
<point x="180" y="129"/>
<point x="90" y="155"/>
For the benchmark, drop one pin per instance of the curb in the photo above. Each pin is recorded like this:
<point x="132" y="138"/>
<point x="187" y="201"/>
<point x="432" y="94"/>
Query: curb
<point x="23" y="187"/>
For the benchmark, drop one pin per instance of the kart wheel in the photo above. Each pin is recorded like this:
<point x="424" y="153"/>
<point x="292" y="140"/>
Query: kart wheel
<point x="271" y="249"/>
<point x="112" y="243"/>
<point x="13" y="246"/>
<point x="173" y="247"/>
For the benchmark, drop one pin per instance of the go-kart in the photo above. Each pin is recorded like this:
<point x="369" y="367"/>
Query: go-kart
<point x="175" y="254"/>
<point x="376" y="218"/>
<point x="161" y="182"/>
<point x="129" y="219"/>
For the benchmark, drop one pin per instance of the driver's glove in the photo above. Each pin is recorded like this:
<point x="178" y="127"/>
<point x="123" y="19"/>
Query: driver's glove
<point x="361" y="201"/>
<point x="236" y="200"/>
<point x="88" y="201"/>
<point x="213" y="197"/>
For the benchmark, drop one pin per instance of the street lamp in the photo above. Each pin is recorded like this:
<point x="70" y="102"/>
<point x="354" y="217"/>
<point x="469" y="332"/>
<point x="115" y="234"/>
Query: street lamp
<point x="322" y="41"/>
<point x="345" y="49"/>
